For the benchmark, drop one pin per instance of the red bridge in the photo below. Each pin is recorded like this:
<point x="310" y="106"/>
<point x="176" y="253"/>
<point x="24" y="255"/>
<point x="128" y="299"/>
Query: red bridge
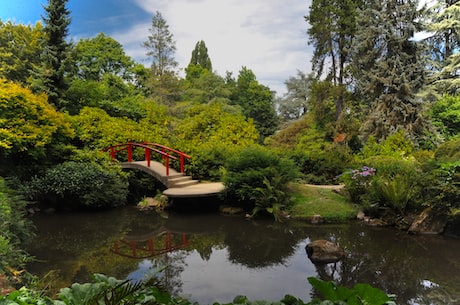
<point x="156" y="160"/>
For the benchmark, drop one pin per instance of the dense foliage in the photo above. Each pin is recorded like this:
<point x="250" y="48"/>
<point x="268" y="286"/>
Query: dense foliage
<point x="111" y="291"/>
<point x="15" y="231"/>
<point x="257" y="178"/>
<point x="373" y="114"/>
<point x="82" y="184"/>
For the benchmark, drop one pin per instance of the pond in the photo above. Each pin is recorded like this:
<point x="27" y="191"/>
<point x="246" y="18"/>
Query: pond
<point x="209" y="257"/>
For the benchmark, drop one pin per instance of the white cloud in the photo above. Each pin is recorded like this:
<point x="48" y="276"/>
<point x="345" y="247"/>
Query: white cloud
<point x="266" y="36"/>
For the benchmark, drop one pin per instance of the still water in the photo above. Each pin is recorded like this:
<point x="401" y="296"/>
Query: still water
<point x="213" y="258"/>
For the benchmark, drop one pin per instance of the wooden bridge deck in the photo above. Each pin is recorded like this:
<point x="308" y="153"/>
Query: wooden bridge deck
<point x="198" y="190"/>
<point x="178" y="184"/>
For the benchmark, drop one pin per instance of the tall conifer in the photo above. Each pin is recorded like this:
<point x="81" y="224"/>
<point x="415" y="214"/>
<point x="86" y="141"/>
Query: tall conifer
<point x="388" y="68"/>
<point x="331" y="33"/>
<point x="50" y="76"/>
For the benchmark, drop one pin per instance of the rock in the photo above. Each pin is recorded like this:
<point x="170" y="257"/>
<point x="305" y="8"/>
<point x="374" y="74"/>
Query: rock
<point x="231" y="210"/>
<point x="375" y="222"/>
<point x="316" y="219"/>
<point x="360" y="215"/>
<point x="324" y="252"/>
<point x="428" y="223"/>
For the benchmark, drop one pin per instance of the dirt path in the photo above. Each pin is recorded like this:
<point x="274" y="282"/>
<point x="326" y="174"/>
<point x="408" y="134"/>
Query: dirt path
<point x="330" y="187"/>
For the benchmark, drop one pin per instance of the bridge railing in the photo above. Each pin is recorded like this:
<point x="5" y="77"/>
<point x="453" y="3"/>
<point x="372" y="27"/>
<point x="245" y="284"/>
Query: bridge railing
<point x="168" y="150"/>
<point x="165" y="152"/>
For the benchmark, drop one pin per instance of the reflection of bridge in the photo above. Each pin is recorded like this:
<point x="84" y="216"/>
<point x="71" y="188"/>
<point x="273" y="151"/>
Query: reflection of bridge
<point x="178" y="184"/>
<point x="149" y="245"/>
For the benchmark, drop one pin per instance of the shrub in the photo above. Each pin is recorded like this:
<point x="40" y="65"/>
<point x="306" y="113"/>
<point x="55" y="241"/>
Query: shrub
<point x="83" y="184"/>
<point x="395" y="145"/>
<point x="255" y="172"/>
<point x="15" y="230"/>
<point x="443" y="187"/>
<point x="446" y="114"/>
<point x="448" y="151"/>
<point x="208" y="161"/>
<point x="321" y="165"/>
<point x="388" y="183"/>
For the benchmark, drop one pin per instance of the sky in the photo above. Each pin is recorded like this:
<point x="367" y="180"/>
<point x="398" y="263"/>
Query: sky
<point x="267" y="36"/>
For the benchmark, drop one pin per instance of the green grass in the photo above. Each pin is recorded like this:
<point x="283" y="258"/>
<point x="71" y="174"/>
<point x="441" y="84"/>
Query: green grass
<point x="309" y="201"/>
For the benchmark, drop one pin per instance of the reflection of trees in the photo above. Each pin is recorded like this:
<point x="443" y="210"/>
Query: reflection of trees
<point x="256" y="244"/>
<point x="79" y="244"/>
<point x="75" y="245"/>
<point x="385" y="258"/>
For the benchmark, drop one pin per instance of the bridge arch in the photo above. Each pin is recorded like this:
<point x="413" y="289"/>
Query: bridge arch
<point x="177" y="182"/>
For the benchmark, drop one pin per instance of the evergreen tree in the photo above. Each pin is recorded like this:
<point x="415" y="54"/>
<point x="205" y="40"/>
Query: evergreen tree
<point x="332" y="30"/>
<point x="294" y="103"/>
<point x="443" y="46"/>
<point x="256" y="102"/>
<point x="160" y="46"/>
<point x="199" y="62"/>
<point x="162" y="82"/>
<point x="50" y="76"/>
<point x="389" y="69"/>
<point x="200" y="56"/>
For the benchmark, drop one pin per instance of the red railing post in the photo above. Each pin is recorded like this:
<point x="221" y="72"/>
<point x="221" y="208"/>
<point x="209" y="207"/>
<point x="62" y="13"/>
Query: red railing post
<point x="112" y="153"/>
<point x="167" y="165"/>
<point x="150" y="245"/>
<point x="133" y="248"/>
<point x="168" y="241"/>
<point x="147" y="156"/>
<point x="181" y="163"/>
<point x="130" y="152"/>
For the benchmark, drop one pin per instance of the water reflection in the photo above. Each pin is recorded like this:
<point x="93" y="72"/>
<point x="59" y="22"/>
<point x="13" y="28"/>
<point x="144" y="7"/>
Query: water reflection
<point x="149" y="245"/>
<point x="211" y="258"/>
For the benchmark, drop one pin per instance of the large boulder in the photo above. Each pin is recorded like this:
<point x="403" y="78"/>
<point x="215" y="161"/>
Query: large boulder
<point x="428" y="223"/>
<point x="324" y="252"/>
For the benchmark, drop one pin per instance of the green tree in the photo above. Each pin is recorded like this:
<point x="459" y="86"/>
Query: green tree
<point x="199" y="58"/>
<point x="331" y="32"/>
<point x="28" y="124"/>
<point x="104" y="76"/>
<point x="95" y="57"/>
<point x="50" y="75"/>
<point x="20" y="49"/>
<point x="256" y="102"/>
<point x="388" y="68"/>
<point x="214" y="124"/>
<point x="205" y="86"/>
<point x="160" y="47"/>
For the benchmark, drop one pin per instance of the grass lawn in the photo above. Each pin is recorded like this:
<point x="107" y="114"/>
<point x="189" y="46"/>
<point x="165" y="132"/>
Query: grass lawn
<point x="311" y="200"/>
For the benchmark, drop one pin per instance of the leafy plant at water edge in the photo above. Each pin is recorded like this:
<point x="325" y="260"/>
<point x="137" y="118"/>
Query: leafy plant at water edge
<point x="111" y="291"/>
<point x="15" y="232"/>
<point x="246" y="170"/>
<point x="396" y="191"/>
<point x="360" y="294"/>
<point x="272" y="198"/>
